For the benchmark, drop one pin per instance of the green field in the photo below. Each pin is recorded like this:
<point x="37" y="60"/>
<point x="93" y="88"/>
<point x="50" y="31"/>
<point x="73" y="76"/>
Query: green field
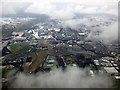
<point x="17" y="49"/>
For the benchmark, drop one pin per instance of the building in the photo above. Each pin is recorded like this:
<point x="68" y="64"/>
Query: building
<point x="111" y="70"/>
<point x="96" y="62"/>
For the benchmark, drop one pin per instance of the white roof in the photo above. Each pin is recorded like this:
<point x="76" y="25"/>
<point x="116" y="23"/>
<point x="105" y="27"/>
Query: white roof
<point x="0" y="67"/>
<point x="117" y="77"/>
<point x="70" y="45"/>
<point x="51" y="61"/>
<point x="81" y="33"/>
<point x="91" y="72"/>
<point x="74" y="65"/>
<point x="56" y="29"/>
<point x="117" y="67"/>
<point x="115" y="64"/>
<point x="19" y="38"/>
<point x="110" y="70"/>
<point x="108" y="64"/>
<point x="49" y="65"/>
<point x="96" y="62"/>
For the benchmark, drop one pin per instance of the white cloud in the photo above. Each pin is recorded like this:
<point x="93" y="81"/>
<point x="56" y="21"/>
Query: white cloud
<point x="110" y="34"/>
<point x="70" y="8"/>
<point x="40" y="8"/>
<point x="11" y="7"/>
<point x="66" y="13"/>
<point x="50" y="7"/>
<point x="75" y="23"/>
<point x="70" y="78"/>
<point x="86" y="10"/>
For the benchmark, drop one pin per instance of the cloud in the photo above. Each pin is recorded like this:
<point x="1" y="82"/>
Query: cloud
<point x="51" y="10"/>
<point x="107" y="34"/>
<point x="110" y="34"/>
<point x="69" y="8"/>
<point x="11" y="7"/>
<point x="62" y="9"/>
<point x="40" y="8"/>
<point x="70" y="78"/>
<point x="75" y="23"/>
<point x="5" y="9"/>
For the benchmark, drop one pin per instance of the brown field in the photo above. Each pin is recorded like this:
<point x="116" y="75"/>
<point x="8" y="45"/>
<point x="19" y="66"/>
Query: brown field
<point x="40" y="56"/>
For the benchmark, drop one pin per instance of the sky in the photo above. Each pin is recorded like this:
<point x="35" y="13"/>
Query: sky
<point x="61" y="9"/>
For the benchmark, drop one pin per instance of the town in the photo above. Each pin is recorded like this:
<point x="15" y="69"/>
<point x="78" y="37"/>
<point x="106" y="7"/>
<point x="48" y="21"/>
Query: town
<point x="45" y="46"/>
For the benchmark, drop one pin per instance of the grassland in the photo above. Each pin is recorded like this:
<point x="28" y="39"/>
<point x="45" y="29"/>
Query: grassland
<point x="17" y="49"/>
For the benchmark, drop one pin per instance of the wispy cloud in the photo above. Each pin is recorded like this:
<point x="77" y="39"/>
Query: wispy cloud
<point x="65" y="8"/>
<point x="70" y="78"/>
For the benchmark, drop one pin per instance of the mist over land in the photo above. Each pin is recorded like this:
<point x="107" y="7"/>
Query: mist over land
<point x="70" y="78"/>
<point x="60" y="44"/>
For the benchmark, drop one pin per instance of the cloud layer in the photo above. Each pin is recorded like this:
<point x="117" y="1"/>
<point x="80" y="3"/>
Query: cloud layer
<point x="67" y="9"/>
<point x="64" y="9"/>
<point x="71" y="78"/>
<point x="110" y="34"/>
